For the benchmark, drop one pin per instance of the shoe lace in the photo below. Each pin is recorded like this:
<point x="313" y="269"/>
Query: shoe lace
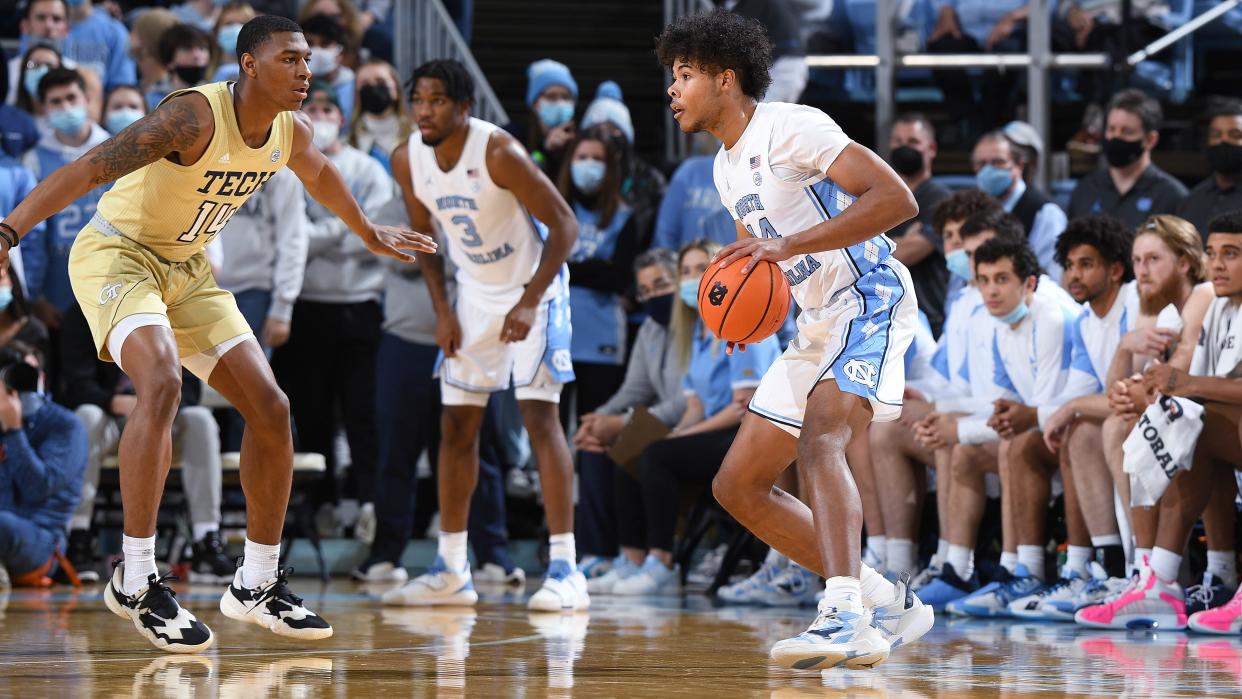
<point x="279" y="590"/>
<point x="1201" y="593"/>
<point x="159" y="597"/>
<point x="829" y="619"/>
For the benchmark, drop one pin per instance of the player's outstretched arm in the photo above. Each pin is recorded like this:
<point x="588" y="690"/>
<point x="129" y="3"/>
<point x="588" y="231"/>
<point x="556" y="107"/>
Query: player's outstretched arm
<point x="182" y="125"/>
<point x="324" y="182"/>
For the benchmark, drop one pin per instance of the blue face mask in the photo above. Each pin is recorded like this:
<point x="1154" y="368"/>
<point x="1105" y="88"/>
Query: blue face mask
<point x="118" y="119"/>
<point x="32" y="78"/>
<point x="689" y="293"/>
<point x="994" y="180"/>
<point x="588" y="175"/>
<point x="6" y="297"/>
<point x="68" y="121"/>
<point x="227" y="38"/>
<point x="553" y="113"/>
<point x="1016" y="315"/>
<point x="959" y="265"/>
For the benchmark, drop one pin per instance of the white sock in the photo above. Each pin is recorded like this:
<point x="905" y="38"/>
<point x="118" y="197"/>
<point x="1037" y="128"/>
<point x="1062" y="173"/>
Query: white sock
<point x="942" y="550"/>
<point x="1224" y="565"/>
<point x="139" y="562"/>
<point x="1141" y="556"/>
<point x="1077" y="558"/>
<point x="1009" y="560"/>
<point x="259" y="562"/>
<point x="561" y="548"/>
<point x="844" y="592"/>
<point x="962" y="558"/>
<point x="1165" y="564"/>
<point x="878" y="545"/>
<point x="899" y="557"/>
<point x="202" y="530"/>
<point x="1106" y="540"/>
<point x="776" y="559"/>
<point x="1032" y="557"/>
<point x="876" y="587"/>
<point x="452" y="550"/>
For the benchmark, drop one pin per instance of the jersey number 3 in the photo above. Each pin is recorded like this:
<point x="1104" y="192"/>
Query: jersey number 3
<point x="217" y="213"/>
<point x="469" y="236"/>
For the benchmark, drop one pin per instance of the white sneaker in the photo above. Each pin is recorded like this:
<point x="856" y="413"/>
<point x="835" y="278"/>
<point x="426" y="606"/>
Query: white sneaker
<point x="621" y="569"/>
<point x="564" y="589"/>
<point x="439" y="586"/>
<point x="364" y="528"/>
<point x="705" y="572"/>
<point x="494" y="574"/>
<point x="744" y="592"/>
<point x="154" y="611"/>
<point x="594" y="566"/>
<point x="272" y="606"/>
<point x="841" y="634"/>
<point x="382" y="572"/>
<point x="1059" y="601"/>
<point x="906" y="619"/>
<point x="654" y="578"/>
<point x="792" y="587"/>
<point x="928" y="574"/>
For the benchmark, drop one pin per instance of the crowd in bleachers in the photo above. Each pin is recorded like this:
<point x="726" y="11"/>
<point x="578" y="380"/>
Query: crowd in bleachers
<point x="1051" y="326"/>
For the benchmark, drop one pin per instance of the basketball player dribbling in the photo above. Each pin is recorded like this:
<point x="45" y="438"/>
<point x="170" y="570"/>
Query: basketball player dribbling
<point x="143" y="281"/>
<point x="807" y="198"/>
<point x="509" y="233"/>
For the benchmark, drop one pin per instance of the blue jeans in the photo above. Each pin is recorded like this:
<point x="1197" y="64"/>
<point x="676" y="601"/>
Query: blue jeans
<point x="596" y="523"/>
<point x="24" y="546"/>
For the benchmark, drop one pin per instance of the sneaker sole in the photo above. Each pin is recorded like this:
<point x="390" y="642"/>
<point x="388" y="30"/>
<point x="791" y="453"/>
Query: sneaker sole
<point x="820" y="659"/>
<point x="536" y="604"/>
<point x="120" y="610"/>
<point x="233" y="609"/>
<point x="464" y="598"/>
<point x="1196" y="626"/>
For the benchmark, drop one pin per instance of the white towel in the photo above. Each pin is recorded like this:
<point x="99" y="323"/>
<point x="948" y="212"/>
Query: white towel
<point x="1162" y="443"/>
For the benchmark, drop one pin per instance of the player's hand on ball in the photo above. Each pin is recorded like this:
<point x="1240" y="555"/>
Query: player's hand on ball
<point x="391" y="240"/>
<point x="518" y="322"/>
<point x="771" y="249"/>
<point x="448" y="334"/>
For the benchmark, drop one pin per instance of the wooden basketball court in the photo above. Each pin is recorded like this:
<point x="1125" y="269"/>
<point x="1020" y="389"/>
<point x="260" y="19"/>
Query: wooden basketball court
<point x="66" y="644"/>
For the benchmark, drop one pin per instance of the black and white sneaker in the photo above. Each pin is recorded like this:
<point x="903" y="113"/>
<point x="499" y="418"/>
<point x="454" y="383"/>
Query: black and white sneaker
<point x="209" y="563"/>
<point x="272" y="606"/>
<point x="156" y="614"/>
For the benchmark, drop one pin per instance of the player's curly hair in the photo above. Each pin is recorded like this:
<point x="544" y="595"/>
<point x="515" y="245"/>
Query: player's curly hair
<point x="961" y="206"/>
<point x="718" y="41"/>
<point x="1025" y="264"/>
<point x="1107" y="235"/>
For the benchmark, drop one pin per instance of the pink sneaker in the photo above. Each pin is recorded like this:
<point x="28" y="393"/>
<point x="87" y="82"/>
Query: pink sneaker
<point x="1148" y="603"/>
<point x="1226" y="619"/>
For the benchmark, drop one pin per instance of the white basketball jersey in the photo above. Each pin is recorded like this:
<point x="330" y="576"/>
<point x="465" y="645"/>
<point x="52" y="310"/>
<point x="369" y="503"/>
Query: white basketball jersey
<point x="1220" y="347"/>
<point x="492" y="239"/>
<point x="773" y="181"/>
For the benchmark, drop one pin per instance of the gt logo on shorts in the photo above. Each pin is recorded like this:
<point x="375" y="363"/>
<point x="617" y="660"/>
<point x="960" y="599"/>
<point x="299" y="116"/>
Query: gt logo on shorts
<point x="109" y="292"/>
<point x="860" y="372"/>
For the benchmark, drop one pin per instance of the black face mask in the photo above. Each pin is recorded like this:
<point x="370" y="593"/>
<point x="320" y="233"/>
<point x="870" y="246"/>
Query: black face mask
<point x="660" y="308"/>
<point x="191" y="75"/>
<point x="1120" y="152"/>
<point x="906" y="160"/>
<point x="374" y="99"/>
<point x="1225" y="158"/>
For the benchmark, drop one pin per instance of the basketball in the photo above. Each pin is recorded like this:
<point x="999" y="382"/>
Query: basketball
<point x="744" y="308"/>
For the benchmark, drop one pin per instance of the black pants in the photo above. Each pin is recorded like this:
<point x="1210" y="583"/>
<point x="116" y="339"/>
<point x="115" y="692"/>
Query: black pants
<point x="647" y="508"/>
<point x="328" y="368"/>
<point x="594" y="529"/>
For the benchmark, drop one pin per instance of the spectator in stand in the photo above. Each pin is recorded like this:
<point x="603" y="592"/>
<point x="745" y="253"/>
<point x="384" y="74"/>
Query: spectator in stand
<point x="329" y="40"/>
<point x="973" y="26"/>
<point x="100" y="44"/>
<point x="46" y="23"/>
<point x="381" y="120"/>
<point x="999" y="167"/>
<point x="18" y="132"/>
<point x="39" y="59"/>
<point x="653" y="380"/>
<point x="551" y="94"/>
<point x="343" y="11"/>
<point x="789" y="68"/>
<point x="1219" y="193"/>
<point x="328" y="364"/>
<point x="201" y="14"/>
<point x="17" y="323"/>
<point x="227" y="29"/>
<point x="103" y="397"/>
<point x="15" y="183"/>
<point x="144" y="42"/>
<point x="912" y="142"/>
<point x="44" y="449"/>
<point x="124" y="105"/>
<point x="691" y="208"/>
<point x="1130" y="188"/>
<point x="186" y="52"/>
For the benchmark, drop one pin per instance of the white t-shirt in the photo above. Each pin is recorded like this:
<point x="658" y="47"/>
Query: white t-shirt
<point x="1220" y="347"/>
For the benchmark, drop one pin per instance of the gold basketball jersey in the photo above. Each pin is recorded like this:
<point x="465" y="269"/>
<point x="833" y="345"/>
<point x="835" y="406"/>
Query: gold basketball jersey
<point x="175" y="210"/>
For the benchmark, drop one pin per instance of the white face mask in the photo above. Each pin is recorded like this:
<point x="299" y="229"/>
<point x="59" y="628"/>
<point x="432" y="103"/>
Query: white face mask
<point x="324" y="60"/>
<point x="383" y="128"/>
<point x="326" y="134"/>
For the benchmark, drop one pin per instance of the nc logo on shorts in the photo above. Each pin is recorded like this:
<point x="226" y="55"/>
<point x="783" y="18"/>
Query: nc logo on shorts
<point x="109" y="292"/>
<point x="860" y="372"/>
<point x="562" y="360"/>
<point x="717" y="294"/>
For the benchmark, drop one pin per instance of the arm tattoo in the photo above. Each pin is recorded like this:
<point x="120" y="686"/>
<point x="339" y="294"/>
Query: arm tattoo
<point x="172" y="127"/>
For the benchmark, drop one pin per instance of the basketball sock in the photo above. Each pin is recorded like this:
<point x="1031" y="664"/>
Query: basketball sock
<point x="1106" y="540"/>
<point x="1113" y="558"/>
<point x="202" y="530"/>
<point x="1141" y="558"/>
<point x="139" y="562"/>
<point x="1009" y="560"/>
<point x="875" y="587"/>
<point x="899" y="556"/>
<point x="1224" y="565"/>
<point x="844" y="592"/>
<point x="1165" y="564"/>
<point x="878" y="546"/>
<point x="1076" y="560"/>
<point x="561" y="548"/>
<point x="259" y="562"/>
<point x="452" y="550"/>
<point x="1032" y="556"/>
<point x="776" y="559"/>
<point x="962" y="558"/>
<point x="942" y="550"/>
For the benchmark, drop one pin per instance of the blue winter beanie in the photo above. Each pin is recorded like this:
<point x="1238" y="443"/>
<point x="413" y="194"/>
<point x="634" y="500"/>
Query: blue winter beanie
<point x="545" y="73"/>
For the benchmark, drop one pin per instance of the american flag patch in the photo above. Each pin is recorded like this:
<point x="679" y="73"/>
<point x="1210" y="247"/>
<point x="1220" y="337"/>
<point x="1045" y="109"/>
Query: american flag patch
<point x="754" y="162"/>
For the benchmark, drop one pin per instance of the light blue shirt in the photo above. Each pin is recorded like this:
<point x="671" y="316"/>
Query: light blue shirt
<point x="691" y="208"/>
<point x="713" y="375"/>
<point x="1049" y="223"/>
<point x="101" y="44"/>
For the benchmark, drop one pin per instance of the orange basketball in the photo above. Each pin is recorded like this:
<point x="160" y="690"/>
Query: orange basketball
<point x="744" y="308"/>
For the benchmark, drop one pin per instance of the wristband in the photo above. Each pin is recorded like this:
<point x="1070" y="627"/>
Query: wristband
<point x="9" y="234"/>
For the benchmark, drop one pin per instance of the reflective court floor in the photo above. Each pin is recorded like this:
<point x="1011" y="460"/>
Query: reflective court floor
<point x="64" y="644"/>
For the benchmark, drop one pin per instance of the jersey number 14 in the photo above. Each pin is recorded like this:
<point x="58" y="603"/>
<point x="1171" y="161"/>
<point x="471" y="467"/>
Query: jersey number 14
<point x="217" y="213"/>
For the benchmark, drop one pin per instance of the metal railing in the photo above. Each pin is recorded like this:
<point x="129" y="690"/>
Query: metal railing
<point x="424" y="31"/>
